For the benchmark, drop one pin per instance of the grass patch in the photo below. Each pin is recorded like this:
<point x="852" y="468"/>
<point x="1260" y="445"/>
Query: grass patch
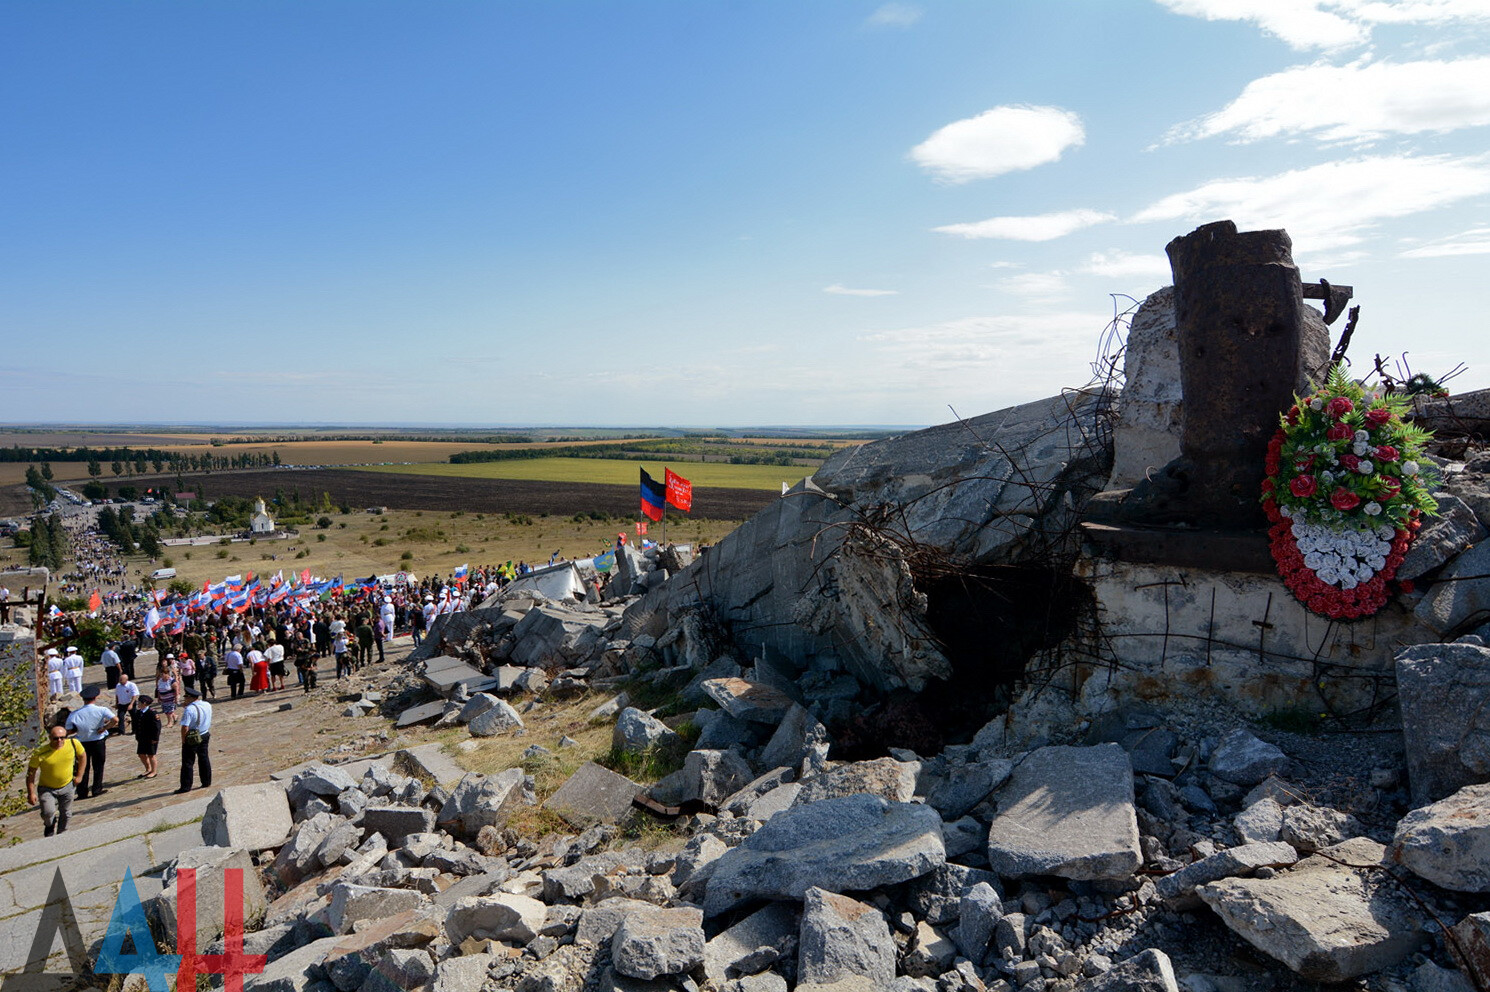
<point x="610" y="471"/>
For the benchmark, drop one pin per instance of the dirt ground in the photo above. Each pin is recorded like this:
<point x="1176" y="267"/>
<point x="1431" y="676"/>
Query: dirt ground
<point x="251" y="737"/>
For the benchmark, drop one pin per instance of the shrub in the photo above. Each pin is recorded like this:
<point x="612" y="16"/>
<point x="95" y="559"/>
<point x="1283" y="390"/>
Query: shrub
<point x="222" y="552"/>
<point x="320" y="537"/>
<point x="323" y="522"/>
<point x="406" y="556"/>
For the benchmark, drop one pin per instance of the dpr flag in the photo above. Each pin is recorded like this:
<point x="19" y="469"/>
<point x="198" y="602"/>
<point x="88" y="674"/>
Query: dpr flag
<point x="653" y="498"/>
<point x="679" y="491"/>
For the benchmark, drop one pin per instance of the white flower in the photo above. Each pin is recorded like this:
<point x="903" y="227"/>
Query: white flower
<point x="1314" y="560"/>
<point x="1365" y="467"/>
<point x="1409" y="468"/>
<point x="1348" y="582"/>
<point x="1327" y="476"/>
<point x="1316" y="404"/>
<point x="1361" y="437"/>
<point x="1360" y="448"/>
<point x="1373" y="509"/>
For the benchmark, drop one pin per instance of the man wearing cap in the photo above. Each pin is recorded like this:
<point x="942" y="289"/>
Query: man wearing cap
<point x="196" y="733"/>
<point x="60" y="764"/>
<point x="72" y="667"/>
<point x="110" y="661"/>
<point x="54" y="672"/>
<point x="92" y="724"/>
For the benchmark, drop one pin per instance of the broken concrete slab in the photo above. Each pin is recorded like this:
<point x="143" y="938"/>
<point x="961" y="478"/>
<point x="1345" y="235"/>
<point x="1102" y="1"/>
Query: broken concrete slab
<point x="753" y="701"/>
<point x="483" y="800"/>
<point x="1444" y="697"/>
<point x="1241" y="860"/>
<point x="1444" y="536"/>
<point x="254" y="817"/>
<point x="1244" y="759"/>
<point x="1067" y="811"/>
<point x="843" y="938"/>
<point x="1448" y="842"/>
<point x="1147" y="971"/>
<point x="1456" y="597"/>
<point x="496" y="719"/>
<point x="423" y="713"/>
<point x="351" y="903"/>
<point x="428" y="763"/>
<point x="637" y="730"/>
<point x="884" y="777"/>
<point x="654" y="942"/>
<point x="800" y="737"/>
<point x="395" y="823"/>
<point x="210" y="865"/>
<point x="849" y="844"/>
<point x="1326" y="921"/>
<point x="504" y="916"/>
<point x="753" y="943"/>
<point x="593" y="794"/>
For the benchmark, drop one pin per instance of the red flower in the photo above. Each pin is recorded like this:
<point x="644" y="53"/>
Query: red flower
<point x="1387" y="453"/>
<point x="1340" y="406"/>
<point x="1350" y="461"/>
<point x="1390" y="486"/>
<point x="1293" y="415"/>
<point x="1344" y="499"/>
<point x="1406" y="585"/>
<point x="1304" y="463"/>
<point x="1302" y="486"/>
<point x="1378" y="416"/>
<point x="1340" y="432"/>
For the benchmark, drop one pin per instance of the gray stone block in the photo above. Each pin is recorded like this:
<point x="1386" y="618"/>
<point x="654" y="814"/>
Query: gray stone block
<point x="843" y="938"/>
<point x="1444" y="696"/>
<point x="253" y="817"/>
<point x="593" y="795"/>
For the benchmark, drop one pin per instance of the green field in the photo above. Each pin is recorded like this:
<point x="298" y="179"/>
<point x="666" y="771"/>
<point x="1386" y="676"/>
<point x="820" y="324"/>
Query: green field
<point x="610" y="471"/>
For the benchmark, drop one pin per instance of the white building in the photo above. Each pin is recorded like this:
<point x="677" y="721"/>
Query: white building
<point x="261" y="522"/>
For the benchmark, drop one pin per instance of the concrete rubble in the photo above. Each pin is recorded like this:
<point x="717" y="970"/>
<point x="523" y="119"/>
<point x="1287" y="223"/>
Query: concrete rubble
<point x="862" y="796"/>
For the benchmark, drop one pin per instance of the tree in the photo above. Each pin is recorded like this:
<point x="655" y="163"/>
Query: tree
<point x="149" y="542"/>
<point x="46" y="471"/>
<point x="118" y="467"/>
<point x="276" y="457"/>
<point x="94" y="468"/>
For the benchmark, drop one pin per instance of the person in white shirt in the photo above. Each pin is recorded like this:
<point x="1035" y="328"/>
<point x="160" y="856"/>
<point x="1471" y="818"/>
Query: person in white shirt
<point x="72" y="667"/>
<point x="125" y="694"/>
<point x="233" y="662"/>
<point x="196" y="734"/>
<point x="55" y="678"/>
<point x="275" y="655"/>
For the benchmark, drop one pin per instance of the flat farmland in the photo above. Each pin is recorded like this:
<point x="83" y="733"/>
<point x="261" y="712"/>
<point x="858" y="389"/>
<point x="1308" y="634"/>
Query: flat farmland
<point x="609" y="471"/>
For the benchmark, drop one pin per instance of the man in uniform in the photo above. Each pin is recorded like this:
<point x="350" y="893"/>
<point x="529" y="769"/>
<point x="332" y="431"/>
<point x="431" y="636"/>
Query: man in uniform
<point x="72" y="667"/>
<point x="92" y="724"/>
<point x="196" y="734"/>
<point x="55" y="677"/>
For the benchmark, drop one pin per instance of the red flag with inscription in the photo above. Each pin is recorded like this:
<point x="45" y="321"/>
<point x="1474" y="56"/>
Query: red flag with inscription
<point x="679" y="491"/>
<point x="641" y="527"/>
<point x="94" y="602"/>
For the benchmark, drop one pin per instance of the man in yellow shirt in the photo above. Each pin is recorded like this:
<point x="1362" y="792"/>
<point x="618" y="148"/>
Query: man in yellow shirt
<point x="60" y="764"/>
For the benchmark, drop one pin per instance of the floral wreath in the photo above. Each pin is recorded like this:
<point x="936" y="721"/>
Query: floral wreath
<point x="1347" y="484"/>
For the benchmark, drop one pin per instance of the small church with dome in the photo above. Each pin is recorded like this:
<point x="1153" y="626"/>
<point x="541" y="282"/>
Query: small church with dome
<point x="261" y="524"/>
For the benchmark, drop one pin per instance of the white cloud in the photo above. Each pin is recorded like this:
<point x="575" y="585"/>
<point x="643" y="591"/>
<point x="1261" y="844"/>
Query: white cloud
<point x="1006" y="265"/>
<point x="1475" y="241"/>
<point x="1118" y="264"/>
<point x="1328" y="24"/>
<point x="838" y="290"/>
<point x="1036" y="286"/>
<point x="1040" y="227"/>
<point x="1297" y="23"/>
<point x="1331" y="205"/>
<point x="1358" y="102"/>
<point x="1004" y="139"/>
<point x="894" y="15"/>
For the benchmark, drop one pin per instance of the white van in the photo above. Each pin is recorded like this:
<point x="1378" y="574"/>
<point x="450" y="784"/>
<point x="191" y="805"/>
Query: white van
<point x="161" y="574"/>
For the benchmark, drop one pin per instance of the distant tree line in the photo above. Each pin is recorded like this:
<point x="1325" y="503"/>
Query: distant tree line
<point x="696" y="448"/>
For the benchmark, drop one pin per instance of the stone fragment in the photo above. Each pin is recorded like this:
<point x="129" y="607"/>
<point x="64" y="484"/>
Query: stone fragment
<point x="978" y="915"/>
<point x="396" y="823"/>
<point x="483" y="800"/>
<point x="714" y="776"/>
<point x="1444" y="695"/>
<point x="1473" y="937"/>
<point x="1452" y="529"/>
<point x="1274" y="788"/>
<point x="297" y="858"/>
<point x="253" y="817"/>
<point x="423" y="713"/>
<point x="639" y="731"/>
<point x="598" y="923"/>
<point x="1259" y="823"/>
<point x="593" y="794"/>
<point x="754" y="943"/>
<point x="965" y="786"/>
<point x="478" y="704"/>
<point x="937" y="896"/>
<point x="1311" y="828"/>
<point x="1450" y="601"/>
<point x="963" y="836"/>
<point x="843" y="938"/>
<point x="654" y="942"/>
<point x="210" y="865"/>
<point x="322" y="780"/>
<point x="1146" y="971"/>
<point x="853" y="843"/>
<point x="1067" y="811"/>
<point x="1429" y="977"/>
<point x="799" y="738"/>
<point x="1327" y="922"/>
<point x="701" y="850"/>
<point x="753" y="701"/>
<point x="887" y="778"/>
<point x="1243" y="759"/>
<point x="351" y="903"/>
<point x="343" y="837"/>
<point x="495" y="720"/>
<point x="1448" y="842"/>
<point x="462" y="974"/>
<point x="399" y="969"/>
<point x="1229" y="863"/>
<point x="931" y="952"/>
<point x="1150" y="417"/>
<point x="297" y="971"/>
<point x="504" y="916"/>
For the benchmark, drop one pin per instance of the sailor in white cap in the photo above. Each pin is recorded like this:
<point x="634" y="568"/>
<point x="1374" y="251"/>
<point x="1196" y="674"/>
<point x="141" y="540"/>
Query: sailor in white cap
<point x="54" y="672"/>
<point x="72" y="667"/>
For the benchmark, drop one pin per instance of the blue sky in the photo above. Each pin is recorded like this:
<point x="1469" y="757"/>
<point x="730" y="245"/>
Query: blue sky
<point x="704" y="213"/>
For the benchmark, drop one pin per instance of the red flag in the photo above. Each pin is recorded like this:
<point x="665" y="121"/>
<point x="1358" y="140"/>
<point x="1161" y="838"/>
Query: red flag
<point x="679" y="491"/>
<point x="305" y="577"/>
<point x="94" y="602"/>
<point x="641" y="527"/>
